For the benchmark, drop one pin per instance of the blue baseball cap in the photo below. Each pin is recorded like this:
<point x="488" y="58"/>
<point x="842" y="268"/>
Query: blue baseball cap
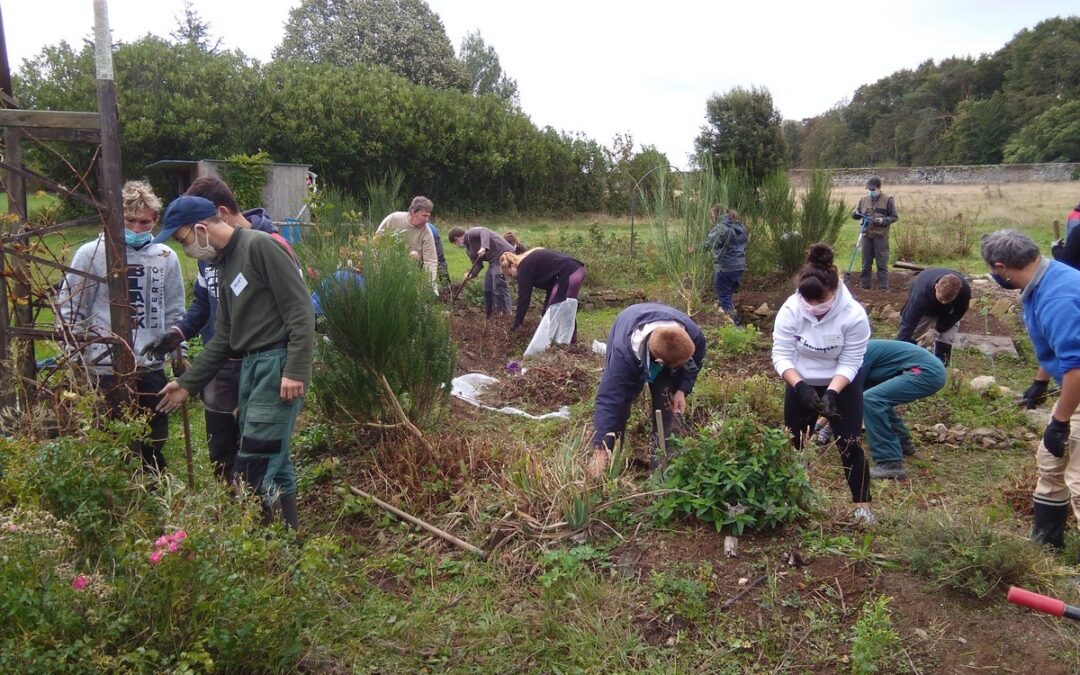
<point x="183" y="211"/>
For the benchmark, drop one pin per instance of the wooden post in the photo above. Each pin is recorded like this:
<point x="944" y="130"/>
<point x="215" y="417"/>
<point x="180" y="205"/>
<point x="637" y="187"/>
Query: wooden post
<point x="123" y="358"/>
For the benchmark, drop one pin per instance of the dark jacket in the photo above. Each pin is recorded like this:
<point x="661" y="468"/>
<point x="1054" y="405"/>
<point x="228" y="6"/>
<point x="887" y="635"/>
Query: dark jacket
<point x="1069" y="250"/>
<point x="884" y="207"/>
<point x="923" y="302"/>
<point x="625" y="373"/>
<point x="546" y="269"/>
<point x="200" y="316"/>
<point x="439" y="254"/>
<point x="728" y="240"/>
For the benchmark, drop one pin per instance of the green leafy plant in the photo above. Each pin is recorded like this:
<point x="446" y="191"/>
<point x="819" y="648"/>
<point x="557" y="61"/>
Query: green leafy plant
<point x="685" y="596"/>
<point x="732" y="340"/>
<point x="561" y="566"/>
<point x="247" y="176"/>
<point x="738" y="475"/>
<point x="874" y="642"/>
<point x="384" y="197"/>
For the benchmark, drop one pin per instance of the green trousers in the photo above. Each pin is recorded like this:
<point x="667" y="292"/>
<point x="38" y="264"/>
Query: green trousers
<point x="266" y="425"/>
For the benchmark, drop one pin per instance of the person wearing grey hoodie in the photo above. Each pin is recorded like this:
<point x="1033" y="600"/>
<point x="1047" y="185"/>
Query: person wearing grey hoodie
<point x="156" y="302"/>
<point x="727" y="241"/>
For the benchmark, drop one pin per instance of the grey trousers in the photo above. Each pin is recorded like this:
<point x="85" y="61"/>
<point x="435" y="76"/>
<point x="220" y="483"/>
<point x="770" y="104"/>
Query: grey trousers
<point x="875" y="249"/>
<point x="495" y="284"/>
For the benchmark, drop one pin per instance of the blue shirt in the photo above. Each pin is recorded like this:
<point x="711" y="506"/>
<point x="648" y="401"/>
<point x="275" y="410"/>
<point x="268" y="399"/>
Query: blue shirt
<point x="1051" y="304"/>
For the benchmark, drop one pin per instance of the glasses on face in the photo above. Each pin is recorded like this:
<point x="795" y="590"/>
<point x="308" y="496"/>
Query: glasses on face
<point x="183" y="234"/>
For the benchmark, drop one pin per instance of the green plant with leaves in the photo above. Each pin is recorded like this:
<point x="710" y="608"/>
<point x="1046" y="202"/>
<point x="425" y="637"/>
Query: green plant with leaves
<point x="874" y="642"/>
<point x="791" y="222"/>
<point x="387" y="358"/>
<point x="738" y="475"/>
<point x="674" y="594"/>
<point x="247" y="176"/>
<point x="729" y="340"/>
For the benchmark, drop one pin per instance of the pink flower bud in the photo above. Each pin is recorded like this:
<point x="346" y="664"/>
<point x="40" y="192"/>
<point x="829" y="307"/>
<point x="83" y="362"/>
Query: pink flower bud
<point x="179" y="535"/>
<point x="155" y="557"/>
<point x="80" y="582"/>
<point x="173" y="547"/>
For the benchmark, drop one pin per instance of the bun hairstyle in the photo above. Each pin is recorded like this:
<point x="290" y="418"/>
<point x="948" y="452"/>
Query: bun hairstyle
<point x="818" y="275"/>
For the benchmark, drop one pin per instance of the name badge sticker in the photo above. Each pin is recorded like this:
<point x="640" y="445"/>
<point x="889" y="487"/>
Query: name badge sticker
<point x="238" y="284"/>
<point x="834" y="340"/>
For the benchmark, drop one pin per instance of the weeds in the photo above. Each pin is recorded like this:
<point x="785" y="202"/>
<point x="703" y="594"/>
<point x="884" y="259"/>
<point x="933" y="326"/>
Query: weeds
<point x="938" y="237"/>
<point x="874" y="643"/>
<point x="970" y="556"/>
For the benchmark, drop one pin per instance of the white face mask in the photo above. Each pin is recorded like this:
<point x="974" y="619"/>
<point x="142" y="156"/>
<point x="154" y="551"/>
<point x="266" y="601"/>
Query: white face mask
<point x="204" y="251"/>
<point x="819" y="310"/>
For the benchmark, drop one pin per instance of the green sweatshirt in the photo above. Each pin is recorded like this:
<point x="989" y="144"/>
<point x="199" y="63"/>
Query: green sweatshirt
<point x="263" y="301"/>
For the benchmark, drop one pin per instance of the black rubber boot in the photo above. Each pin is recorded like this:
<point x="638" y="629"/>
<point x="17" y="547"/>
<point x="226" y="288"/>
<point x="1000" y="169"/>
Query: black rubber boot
<point x="883" y="280"/>
<point x="943" y="351"/>
<point x="288" y="511"/>
<point x="1049" y="526"/>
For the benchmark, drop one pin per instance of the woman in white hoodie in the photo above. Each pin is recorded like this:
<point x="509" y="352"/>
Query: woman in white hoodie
<point x="819" y="339"/>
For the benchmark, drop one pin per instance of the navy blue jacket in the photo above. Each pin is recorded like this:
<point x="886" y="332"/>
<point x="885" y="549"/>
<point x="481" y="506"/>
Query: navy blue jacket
<point x="727" y="239"/>
<point x="922" y="301"/>
<point x="201" y="315"/>
<point x="624" y="373"/>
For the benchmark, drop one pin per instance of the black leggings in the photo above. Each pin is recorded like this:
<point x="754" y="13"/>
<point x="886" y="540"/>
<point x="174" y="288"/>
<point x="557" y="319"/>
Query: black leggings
<point x="847" y="428"/>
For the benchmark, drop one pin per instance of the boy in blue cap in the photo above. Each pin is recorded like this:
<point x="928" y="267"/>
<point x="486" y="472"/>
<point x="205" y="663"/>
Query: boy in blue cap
<point x="264" y="315"/>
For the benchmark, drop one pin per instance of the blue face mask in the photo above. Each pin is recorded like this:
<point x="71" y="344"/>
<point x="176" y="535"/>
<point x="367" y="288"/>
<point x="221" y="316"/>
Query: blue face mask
<point x="137" y="239"/>
<point x="1002" y="281"/>
<point x="874" y="193"/>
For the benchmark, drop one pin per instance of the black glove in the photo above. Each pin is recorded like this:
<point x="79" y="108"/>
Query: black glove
<point x="830" y="404"/>
<point x="855" y="215"/>
<point x="164" y="344"/>
<point x="1035" y="394"/>
<point x="1056" y="437"/>
<point x="808" y="397"/>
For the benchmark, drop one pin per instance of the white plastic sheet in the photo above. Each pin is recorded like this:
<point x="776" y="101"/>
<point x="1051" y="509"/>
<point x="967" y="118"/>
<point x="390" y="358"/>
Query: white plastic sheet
<point x="557" y="325"/>
<point x="469" y="386"/>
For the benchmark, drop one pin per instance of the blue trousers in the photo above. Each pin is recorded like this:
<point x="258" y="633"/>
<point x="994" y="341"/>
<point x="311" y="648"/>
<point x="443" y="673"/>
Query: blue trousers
<point x="884" y="426"/>
<point x="726" y="284"/>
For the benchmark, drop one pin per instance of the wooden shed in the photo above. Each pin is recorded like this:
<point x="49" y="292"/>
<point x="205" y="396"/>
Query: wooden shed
<point x="284" y="195"/>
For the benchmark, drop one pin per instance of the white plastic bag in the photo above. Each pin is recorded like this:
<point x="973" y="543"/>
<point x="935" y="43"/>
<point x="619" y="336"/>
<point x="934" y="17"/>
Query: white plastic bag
<point x="556" y="326"/>
<point x="468" y="387"/>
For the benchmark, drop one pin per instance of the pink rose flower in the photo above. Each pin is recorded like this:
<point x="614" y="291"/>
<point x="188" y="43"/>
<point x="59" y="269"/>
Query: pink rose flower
<point x="80" y="582"/>
<point x="179" y="535"/>
<point x="173" y="547"/>
<point x="163" y="540"/>
<point x="155" y="557"/>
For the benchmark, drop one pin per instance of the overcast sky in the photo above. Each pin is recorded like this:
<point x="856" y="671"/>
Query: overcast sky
<point x="604" y="67"/>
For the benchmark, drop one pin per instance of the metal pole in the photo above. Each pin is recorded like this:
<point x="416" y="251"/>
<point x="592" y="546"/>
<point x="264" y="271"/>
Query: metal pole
<point x="123" y="358"/>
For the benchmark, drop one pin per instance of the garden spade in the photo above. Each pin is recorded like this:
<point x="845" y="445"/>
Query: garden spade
<point x="473" y="271"/>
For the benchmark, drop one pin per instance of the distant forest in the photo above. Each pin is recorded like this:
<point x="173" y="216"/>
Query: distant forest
<point x="1019" y="104"/>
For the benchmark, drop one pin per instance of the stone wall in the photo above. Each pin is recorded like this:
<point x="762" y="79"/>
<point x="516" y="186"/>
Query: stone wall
<point x="950" y="175"/>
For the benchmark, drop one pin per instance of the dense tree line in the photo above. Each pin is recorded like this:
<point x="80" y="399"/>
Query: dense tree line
<point x="470" y="153"/>
<point x="1016" y="105"/>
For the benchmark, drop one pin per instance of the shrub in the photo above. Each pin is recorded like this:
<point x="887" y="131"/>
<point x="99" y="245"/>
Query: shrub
<point x="384" y="197"/>
<point x="970" y="556"/>
<point x="737" y="474"/>
<point x="874" y="643"/>
<point x="387" y="357"/>
<point x="732" y="340"/>
<point x="790" y="224"/>
<point x="247" y="176"/>
<point x="941" y="237"/>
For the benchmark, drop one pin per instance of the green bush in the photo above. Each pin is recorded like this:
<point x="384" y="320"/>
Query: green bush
<point x="790" y="222"/>
<point x="247" y="176"/>
<point x="970" y="556"/>
<point x="736" y="474"/>
<point x="729" y="340"/>
<point x="387" y="350"/>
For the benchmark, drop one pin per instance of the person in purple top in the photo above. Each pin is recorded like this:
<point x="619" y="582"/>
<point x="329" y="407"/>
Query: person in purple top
<point x="558" y="274"/>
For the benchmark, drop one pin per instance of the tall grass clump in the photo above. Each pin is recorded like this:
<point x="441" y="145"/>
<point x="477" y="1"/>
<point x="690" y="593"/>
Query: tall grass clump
<point x="936" y="236"/>
<point x="682" y="221"/>
<point x="970" y="556"/>
<point x="783" y="223"/>
<point x="387" y="359"/>
<point x="384" y="197"/>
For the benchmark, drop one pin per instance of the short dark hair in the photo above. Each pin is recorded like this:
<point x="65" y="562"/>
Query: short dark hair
<point x="949" y="286"/>
<point x="216" y="190"/>
<point x="456" y="232"/>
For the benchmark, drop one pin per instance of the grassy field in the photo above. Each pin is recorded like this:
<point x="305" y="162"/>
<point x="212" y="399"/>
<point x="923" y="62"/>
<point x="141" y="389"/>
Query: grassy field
<point x="626" y="590"/>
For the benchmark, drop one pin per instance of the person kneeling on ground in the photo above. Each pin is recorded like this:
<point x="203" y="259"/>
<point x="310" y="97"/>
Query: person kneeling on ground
<point x="265" y="315"/>
<point x="819" y="340"/>
<point x="938" y="298"/>
<point x="895" y="372"/>
<point x="1051" y="301"/>
<point x="649" y="343"/>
